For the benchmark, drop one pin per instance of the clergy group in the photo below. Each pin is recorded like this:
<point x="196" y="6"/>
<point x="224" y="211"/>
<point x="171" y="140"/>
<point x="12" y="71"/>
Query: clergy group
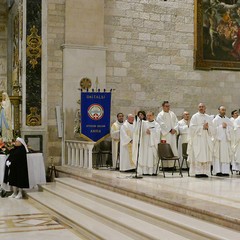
<point x="213" y="142"/>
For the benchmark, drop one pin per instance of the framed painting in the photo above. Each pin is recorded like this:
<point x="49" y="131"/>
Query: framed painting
<point x="35" y="142"/>
<point x="217" y="34"/>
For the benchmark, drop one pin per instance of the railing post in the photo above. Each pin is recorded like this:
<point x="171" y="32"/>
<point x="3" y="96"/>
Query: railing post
<point x="77" y="154"/>
<point x="72" y="154"/>
<point x="85" y="164"/>
<point x="90" y="148"/>
<point x="81" y="155"/>
<point x="69" y="153"/>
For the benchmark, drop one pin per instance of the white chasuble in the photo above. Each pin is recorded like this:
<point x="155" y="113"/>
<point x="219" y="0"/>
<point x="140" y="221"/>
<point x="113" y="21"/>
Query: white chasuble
<point x="183" y="129"/>
<point x="168" y="121"/>
<point x="148" y="147"/>
<point x="126" y="137"/>
<point x="200" y="145"/>
<point x="236" y="159"/>
<point x="223" y="148"/>
<point x="115" y="135"/>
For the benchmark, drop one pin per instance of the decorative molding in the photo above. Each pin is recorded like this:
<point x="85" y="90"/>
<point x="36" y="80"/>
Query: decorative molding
<point x="34" y="43"/>
<point x="33" y="85"/>
<point x="85" y="47"/>
<point x="33" y="119"/>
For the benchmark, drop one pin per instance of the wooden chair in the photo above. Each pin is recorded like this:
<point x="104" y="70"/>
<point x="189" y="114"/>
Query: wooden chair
<point x="165" y="154"/>
<point x="185" y="156"/>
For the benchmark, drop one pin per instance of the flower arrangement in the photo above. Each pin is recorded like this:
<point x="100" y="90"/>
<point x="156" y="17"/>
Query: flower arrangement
<point x="5" y="147"/>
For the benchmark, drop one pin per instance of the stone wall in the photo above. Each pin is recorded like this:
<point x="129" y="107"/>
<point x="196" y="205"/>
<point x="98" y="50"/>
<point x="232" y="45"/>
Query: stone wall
<point x="3" y="47"/>
<point x="150" y="47"/>
<point x="55" y="39"/>
<point x="150" y="54"/>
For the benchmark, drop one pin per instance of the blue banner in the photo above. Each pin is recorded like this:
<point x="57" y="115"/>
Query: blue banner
<point x="95" y="115"/>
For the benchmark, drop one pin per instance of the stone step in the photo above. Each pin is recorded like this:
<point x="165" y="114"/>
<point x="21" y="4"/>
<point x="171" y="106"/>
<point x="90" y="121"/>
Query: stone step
<point x="138" y="227"/>
<point x="89" y="227"/>
<point x="156" y="215"/>
<point x="199" y="198"/>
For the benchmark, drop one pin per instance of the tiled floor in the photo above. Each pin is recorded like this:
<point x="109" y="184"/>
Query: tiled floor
<point x="20" y="220"/>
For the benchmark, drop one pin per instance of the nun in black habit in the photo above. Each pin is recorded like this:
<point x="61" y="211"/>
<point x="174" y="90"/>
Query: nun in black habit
<point x="16" y="169"/>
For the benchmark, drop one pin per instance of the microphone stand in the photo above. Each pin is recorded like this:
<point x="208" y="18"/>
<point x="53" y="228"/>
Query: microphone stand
<point x="139" y="139"/>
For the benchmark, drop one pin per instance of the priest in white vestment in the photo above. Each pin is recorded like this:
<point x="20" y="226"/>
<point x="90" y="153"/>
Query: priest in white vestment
<point x="236" y="159"/>
<point x="148" y="145"/>
<point x="200" y="144"/>
<point x="126" y="138"/>
<point x="115" y="135"/>
<point x="169" y="129"/>
<point x="236" y="140"/>
<point x="183" y="129"/>
<point x="139" y="115"/>
<point x="235" y="115"/>
<point x="223" y="138"/>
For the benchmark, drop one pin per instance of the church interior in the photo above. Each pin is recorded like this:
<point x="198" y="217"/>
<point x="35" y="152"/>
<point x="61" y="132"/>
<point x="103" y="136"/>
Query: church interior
<point x="144" y="52"/>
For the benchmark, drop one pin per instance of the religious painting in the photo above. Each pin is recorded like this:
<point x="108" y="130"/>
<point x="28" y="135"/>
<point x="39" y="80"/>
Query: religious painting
<point x="217" y="34"/>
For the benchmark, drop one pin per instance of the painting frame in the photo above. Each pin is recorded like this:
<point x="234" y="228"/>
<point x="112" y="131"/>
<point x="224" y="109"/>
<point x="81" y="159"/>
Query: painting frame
<point x="35" y="141"/>
<point x="212" y="49"/>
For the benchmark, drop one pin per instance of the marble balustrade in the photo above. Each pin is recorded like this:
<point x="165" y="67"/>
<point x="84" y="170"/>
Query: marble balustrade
<point x="78" y="153"/>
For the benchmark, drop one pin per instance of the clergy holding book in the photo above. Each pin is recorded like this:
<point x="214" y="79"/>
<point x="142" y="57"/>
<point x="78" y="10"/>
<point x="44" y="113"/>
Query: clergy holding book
<point x="148" y="147"/>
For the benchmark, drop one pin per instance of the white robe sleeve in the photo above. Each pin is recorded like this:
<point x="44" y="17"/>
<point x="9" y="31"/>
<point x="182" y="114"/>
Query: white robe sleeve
<point x="182" y="128"/>
<point x="219" y="130"/>
<point x="125" y="137"/>
<point x="155" y="135"/>
<point x="115" y="133"/>
<point x="175" y="121"/>
<point x="164" y="128"/>
<point x="195" y="128"/>
<point x="211" y="129"/>
<point x="229" y="130"/>
<point x="237" y="129"/>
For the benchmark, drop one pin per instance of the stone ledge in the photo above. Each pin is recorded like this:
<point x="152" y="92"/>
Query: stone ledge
<point x="85" y="47"/>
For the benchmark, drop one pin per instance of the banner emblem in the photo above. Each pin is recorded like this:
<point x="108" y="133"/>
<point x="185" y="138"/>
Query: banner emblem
<point x="95" y="111"/>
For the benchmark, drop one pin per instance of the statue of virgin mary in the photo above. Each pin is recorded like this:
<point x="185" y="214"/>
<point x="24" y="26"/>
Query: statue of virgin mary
<point x="6" y="118"/>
